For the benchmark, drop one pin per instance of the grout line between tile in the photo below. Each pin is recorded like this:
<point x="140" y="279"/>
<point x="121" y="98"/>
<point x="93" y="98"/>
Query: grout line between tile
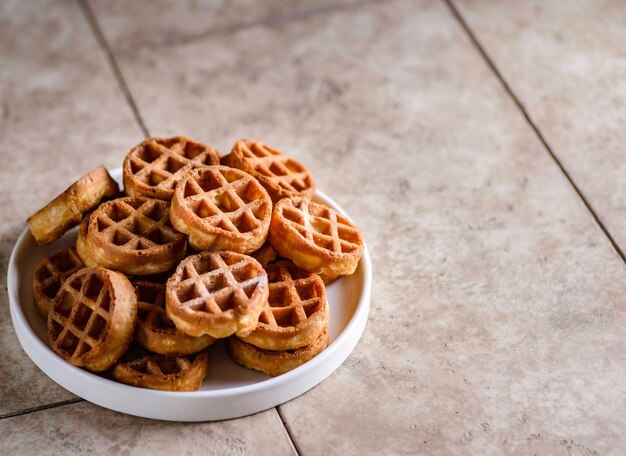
<point x="491" y="64"/>
<point x="290" y="435"/>
<point x="41" y="408"/>
<point x="102" y="42"/>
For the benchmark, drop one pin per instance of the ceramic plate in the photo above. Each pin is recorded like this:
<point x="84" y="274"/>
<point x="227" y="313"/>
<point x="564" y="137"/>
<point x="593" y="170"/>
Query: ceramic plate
<point x="229" y="391"/>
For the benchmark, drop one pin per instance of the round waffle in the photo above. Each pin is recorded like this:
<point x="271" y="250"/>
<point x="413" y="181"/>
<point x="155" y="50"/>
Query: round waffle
<point x="50" y="274"/>
<point x="155" y="331"/>
<point x="216" y="293"/>
<point x="281" y="175"/>
<point x="132" y="235"/>
<point x="221" y="208"/>
<point x="274" y="363"/>
<point x="92" y="319"/>
<point x="67" y="209"/>
<point x="315" y="237"/>
<point x="140" y="368"/>
<point x="154" y="167"/>
<point x="297" y="310"/>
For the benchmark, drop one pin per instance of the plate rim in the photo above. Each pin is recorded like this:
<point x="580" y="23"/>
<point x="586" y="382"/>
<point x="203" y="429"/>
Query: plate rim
<point x="24" y="330"/>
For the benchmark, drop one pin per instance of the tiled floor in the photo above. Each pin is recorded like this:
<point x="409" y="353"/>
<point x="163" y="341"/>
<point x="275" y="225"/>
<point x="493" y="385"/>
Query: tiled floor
<point x="494" y="212"/>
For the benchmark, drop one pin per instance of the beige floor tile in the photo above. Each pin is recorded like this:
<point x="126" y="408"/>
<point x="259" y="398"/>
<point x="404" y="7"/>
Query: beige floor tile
<point x="497" y="314"/>
<point x="87" y="429"/>
<point x="154" y="24"/>
<point x="566" y="61"/>
<point x="61" y="115"/>
<point x="497" y="318"/>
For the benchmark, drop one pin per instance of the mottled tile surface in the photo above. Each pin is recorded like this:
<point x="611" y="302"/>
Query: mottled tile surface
<point x="566" y="61"/>
<point x="61" y="115"/>
<point x="497" y="312"/>
<point x="163" y="23"/>
<point x="87" y="429"/>
<point x="497" y="315"/>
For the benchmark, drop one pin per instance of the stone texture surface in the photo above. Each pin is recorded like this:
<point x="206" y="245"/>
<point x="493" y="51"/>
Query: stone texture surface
<point x="60" y="115"/>
<point x="566" y="61"/>
<point x="87" y="429"/>
<point x="497" y="314"/>
<point x="169" y="24"/>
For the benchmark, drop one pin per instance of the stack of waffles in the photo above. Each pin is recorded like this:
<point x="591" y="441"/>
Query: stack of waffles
<point x="198" y="248"/>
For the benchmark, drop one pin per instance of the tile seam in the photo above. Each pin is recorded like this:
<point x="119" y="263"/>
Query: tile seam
<point x="494" y="69"/>
<point x="287" y="428"/>
<point x="41" y="408"/>
<point x="110" y="57"/>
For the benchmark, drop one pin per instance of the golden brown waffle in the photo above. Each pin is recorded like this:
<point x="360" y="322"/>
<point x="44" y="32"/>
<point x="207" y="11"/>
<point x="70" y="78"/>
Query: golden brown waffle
<point x="221" y="208"/>
<point x="155" y="331"/>
<point x="92" y="319"/>
<point x="67" y="209"/>
<point x="265" y="254"/>
<point x="140" y="368"/>
<point x="275" y="362"/>
<point x="154" y="167"/>
<point x="132" y="235"/>
<point x="280" y="174"/>
<point x="50" y="274"/>
<point x="297" y="310"/>
<point x="315" y="237"/>
<point x="216" y="293"/>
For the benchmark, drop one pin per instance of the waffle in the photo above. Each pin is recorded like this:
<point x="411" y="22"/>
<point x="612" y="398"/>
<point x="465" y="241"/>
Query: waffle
<point x="315" y="237"/>
<point x="265" y="254"/>
<point x="67" y="209"/>
<point x="281" y="175"/>
<point x="216" y="293"/>
<point x="92" y="319"/>
<point x="154" y="167"/>
<point x="132" y="235"/>
<point x="275" y="363"/>
<point x="297" y="310"/>
<point x="50" y="274"/>
<point x="155" y="331"/>
<point x="222" y="208"/>
<point x="140" y="368"/>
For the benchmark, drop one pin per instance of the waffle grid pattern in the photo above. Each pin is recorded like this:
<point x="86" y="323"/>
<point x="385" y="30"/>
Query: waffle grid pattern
<point x="79" y="322"/>
<point x="293" y="297"/>
<point x="136" y="224"/>
<point x="225" y="199"/>
<point x="278" y="167"/>
<point x="161" y="163"/>
<point x="216" y="283"/>
<point x="321" y="225"/>
<point x="52" y="271"/>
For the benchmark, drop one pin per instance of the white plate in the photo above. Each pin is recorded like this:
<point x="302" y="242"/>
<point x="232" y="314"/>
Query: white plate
<point x="229" y="391"/>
